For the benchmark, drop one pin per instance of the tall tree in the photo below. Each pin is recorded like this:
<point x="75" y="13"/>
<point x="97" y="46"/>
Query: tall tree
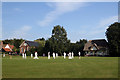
<point x="58" y="41"/>
<point x="113" y="37"/>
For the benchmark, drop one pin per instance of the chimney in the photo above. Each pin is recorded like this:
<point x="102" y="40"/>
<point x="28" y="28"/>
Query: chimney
<point x="1" y="44"/>
<point x="90" y="40"/>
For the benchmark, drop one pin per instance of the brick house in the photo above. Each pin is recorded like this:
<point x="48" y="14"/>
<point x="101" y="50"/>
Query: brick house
<point x="26" y="45"/>
<point x="97" y="47"/>
<point x="6" y="47"/>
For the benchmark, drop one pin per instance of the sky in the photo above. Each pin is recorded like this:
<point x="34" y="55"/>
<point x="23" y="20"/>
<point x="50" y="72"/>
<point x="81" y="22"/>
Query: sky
<point x="81" y="20"/>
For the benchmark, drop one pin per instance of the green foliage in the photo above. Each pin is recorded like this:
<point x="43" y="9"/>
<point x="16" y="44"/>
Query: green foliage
<point x="81" y="44"/>
<point x="28" y="53"/>
<point x="32" y="50"/>
<point x="18" y="50"/>
<point x="15" y="42"/>
<point x="113" y="37"/>
<point x="14" y="49"/>
<point x="6" y="52"/>
<point x="58" y="41"/>
<point x="41" y="41"/>
<point x="40" y="50"/>
<point x="76" y="47"/>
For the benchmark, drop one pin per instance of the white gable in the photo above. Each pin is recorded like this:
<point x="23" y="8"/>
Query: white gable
<point x="93" y="48"/>
<point x="25" y="44"/>
<point x="7" y="46"/>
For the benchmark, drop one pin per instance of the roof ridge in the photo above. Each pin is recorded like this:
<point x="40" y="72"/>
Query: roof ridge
<point x="98" y="39"/>
<point x="30" y="41"/>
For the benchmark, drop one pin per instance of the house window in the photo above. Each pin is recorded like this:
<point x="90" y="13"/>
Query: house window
<point x="93" y="48"/>
<point x="22" y="49"/>
<point x="25" y="44"/>
<point x="27" y="48"/>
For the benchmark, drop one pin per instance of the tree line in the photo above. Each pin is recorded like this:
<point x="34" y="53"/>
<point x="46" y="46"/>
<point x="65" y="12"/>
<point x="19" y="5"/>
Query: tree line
<point x="59" y="43"/>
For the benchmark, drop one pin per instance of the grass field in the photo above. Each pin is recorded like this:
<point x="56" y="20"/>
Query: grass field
<point x="86" y="67"/>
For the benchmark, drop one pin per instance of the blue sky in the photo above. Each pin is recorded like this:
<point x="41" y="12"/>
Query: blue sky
<point x="32" y="20"/>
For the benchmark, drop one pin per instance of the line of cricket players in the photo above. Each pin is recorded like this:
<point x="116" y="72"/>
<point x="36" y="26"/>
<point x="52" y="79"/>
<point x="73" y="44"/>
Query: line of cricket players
<point x="70" y="55"/>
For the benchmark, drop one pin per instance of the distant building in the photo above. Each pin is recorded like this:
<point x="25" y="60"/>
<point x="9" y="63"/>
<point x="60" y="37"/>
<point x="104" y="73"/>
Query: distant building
<point x="1" y="43"/>
<point x="96" y="48"/>
<point x="26" y="45"/>
<point x="6" y="47"/>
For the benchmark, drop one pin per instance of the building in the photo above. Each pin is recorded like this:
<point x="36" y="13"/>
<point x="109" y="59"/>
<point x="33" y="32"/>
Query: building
<point x="6" y="47"/>
<point x="1" y="43"/>
<point x="96" y="48"/>
<point x="26" y="45"/>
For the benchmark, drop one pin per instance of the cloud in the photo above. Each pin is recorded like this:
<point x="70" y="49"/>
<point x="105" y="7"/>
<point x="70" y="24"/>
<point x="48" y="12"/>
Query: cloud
<point x="18" y="9"/>
<point x="103" y="25"/>
<point x="60" y="8"/>
<point x="21" y="32"/>
<point x="108" y="21"/>
<point x="96" y="32"/>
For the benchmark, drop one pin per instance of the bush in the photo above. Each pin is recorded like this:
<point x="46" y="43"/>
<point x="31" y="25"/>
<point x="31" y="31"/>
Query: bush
<point x="28" y="53"/>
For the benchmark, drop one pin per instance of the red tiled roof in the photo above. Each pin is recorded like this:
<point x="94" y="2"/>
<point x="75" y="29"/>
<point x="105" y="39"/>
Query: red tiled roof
<point x="11" y="46"/>
<point x="7" y="49"/>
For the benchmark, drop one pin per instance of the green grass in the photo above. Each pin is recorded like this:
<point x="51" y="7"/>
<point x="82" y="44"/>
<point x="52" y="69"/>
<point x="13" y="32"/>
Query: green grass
<point x="86" y="67"/>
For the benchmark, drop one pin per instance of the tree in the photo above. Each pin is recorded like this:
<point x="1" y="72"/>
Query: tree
<point x="32" y="50"/>
<point x="81" y="44"/>
<point x="8" y="41"/>
<point x="48" y="46"/>
<point x="40" y="49"/>
<point x="41" y="41"/>
<point x="14" y="49"/>
<point x="113" y="37"/>
<point x="58" y="42"/>
<point x="76" y="47"/>
<point x="15" y="42"/>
